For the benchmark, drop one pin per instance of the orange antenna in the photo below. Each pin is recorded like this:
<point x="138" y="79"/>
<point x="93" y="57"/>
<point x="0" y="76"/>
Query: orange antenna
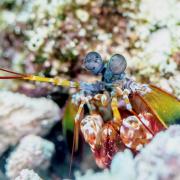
<point x="72" y="151"/>
<point x="78" y="118"/>
<point x="18" y="75"/>
<point x="55" y="81"/>
<point x="150" y="131"/>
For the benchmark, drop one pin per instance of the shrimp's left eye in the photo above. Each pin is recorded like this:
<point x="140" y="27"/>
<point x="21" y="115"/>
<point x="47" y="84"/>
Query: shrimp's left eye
<point x="117" y="64"/>
<point x="93" y="62"/>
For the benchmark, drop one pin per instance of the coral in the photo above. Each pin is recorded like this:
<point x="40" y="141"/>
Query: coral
<point x="33" y="152"/>
<point x="122" y="167"/>
<point x="159" y="160"/>
<point x="21" y="115"/>
<point x="157" y="43"/>
<point x="52" y="37"/>
<point x="53" y="33"/>
<point x="27" y="174"/>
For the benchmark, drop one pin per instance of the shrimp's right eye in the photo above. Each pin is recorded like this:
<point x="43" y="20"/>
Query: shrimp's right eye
<point x="117" y="64"/>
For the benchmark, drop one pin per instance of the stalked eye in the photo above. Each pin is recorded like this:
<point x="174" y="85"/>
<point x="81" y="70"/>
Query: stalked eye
<point x="117" y="64"/>
<point x="93" y="62"/>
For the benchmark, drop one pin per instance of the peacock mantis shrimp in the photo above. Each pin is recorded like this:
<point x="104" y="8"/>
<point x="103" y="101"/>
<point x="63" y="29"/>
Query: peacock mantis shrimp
<point x="137" y="111"/>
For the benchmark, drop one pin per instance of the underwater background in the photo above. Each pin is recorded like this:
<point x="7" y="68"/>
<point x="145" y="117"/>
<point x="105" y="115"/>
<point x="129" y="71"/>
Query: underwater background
<point x="51" y="38"/>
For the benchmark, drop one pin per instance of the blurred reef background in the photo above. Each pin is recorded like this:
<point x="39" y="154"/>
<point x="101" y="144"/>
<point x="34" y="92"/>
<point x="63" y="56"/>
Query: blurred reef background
<point x="50" y="38"/>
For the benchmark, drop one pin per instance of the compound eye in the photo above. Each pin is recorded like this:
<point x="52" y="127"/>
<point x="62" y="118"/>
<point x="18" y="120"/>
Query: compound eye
<point x="93" y="62"/>
<point x="117" y="64"/>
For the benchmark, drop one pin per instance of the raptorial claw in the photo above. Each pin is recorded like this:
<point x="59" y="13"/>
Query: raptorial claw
<point x="110" y="143"/>
<point x="91" y="127"/>
<point x="133" y="134"/>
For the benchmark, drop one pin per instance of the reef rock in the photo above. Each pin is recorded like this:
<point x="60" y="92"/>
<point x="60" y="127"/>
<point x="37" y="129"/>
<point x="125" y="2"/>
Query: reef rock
<point x="33" y="152"/>
<point x="21" y="115"/>
<point x="27" y="174"/>
<point x="160" y="160"/>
